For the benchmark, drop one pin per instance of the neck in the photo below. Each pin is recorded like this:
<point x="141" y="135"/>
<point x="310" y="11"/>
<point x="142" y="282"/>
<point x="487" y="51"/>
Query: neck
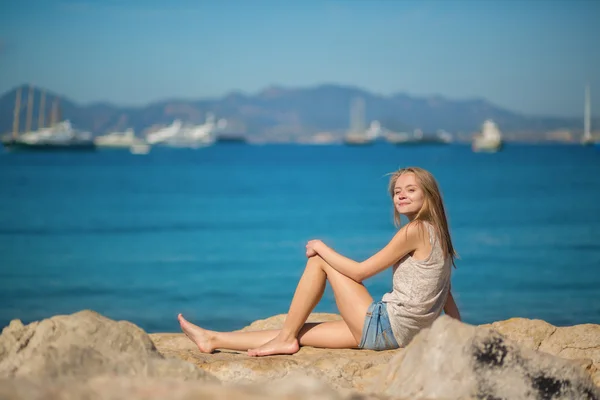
<point x="411" y="217"/>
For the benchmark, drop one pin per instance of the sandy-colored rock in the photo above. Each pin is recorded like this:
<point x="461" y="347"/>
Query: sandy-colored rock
<point x="454" y="360"/>
<point x="529" y="333"/>
<point x="94" y="357"/>
<point x="355" y="369"/>
<point x="129" y="388"/>
<point x="85" y="344"/>
<point x="580" y="343"/>
<point x="343" y="369"/>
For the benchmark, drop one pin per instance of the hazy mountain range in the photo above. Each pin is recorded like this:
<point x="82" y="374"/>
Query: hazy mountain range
<point x="285" y="112"/>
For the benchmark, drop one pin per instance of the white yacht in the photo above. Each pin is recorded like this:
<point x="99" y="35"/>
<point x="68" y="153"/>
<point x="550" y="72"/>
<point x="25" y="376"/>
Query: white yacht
<point x="490" y="139"/>
<point x="163" y="134"/>
<point x="195" y="136"/>
<point x="418" y="138"/>
<point x="118" y="140"/>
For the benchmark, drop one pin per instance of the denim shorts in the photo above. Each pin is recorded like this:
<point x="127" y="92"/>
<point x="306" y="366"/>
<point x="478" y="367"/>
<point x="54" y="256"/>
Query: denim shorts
<point x="377" y="332"/>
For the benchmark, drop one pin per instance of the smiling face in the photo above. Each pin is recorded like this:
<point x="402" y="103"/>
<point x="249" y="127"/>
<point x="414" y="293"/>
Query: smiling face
<point x="408" y="195"/>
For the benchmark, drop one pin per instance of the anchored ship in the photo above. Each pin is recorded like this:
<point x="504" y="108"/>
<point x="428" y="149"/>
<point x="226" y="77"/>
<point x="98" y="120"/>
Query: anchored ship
<point x="56" y="136"/>
<point x="490" y="139"/>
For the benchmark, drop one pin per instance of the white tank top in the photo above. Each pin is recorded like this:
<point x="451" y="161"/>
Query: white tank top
<point x="420" y="289"/>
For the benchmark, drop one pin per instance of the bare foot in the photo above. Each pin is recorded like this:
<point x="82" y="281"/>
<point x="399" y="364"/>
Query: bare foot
<point x="203" y="338"/>
<point x="275" y="346"/>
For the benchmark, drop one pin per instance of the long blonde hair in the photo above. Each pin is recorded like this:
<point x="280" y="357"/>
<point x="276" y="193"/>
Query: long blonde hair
<point x="432" y="211"/>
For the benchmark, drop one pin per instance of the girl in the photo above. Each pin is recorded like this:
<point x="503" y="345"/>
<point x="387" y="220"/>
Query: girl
<point x="421" y="253"/>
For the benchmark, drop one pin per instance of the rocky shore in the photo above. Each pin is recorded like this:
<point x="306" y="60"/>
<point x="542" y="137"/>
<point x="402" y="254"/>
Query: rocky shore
<point x="86" y="355"/>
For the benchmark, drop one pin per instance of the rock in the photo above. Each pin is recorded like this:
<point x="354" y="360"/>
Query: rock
<point x="343" y="369"/>
<point x="453" y="360"/>
<point x="580" y="343"/>
<point x="527" y="332"/>
<point x="86" y="355"/>
<point x="85" y="344"/>
<point x="128" y="388"/>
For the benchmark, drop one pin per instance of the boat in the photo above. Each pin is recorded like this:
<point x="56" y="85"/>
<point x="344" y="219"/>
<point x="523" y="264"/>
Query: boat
<point x="231" y="138"/>
<point x="61" y="136"/>
<point x="418" y="138"/>
<point x="490" y="139"/>
<point x="357" y="134"/>
<point x="357" y="139"/>
<point x="140" y="148"/>
<point x="163" y="134"/>
<point x="229" y="134"/>
<point x="188" y="136"/>
<point x="118" y="140"/>
<point x="194" y="136"/>
<point x="58" y="136"/>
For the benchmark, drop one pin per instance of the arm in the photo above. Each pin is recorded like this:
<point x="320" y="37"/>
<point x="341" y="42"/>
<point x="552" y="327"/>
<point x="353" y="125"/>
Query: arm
<point x="450" y="307"/>
<point x="404" y="241"/>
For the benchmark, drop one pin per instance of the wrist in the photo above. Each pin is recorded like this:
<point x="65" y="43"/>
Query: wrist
<point x="319" y="246"/>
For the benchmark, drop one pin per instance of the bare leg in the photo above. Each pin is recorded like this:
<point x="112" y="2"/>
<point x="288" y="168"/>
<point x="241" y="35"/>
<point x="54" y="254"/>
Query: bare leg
<point x="351" y="297"/>
<point x="334" y="334"/>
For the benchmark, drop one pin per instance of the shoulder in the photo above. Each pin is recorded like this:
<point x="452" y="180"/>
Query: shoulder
<point x="414" y="232"/>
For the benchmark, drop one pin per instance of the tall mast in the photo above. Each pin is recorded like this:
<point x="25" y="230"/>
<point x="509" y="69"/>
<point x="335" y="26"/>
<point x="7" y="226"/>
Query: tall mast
<point x="587" y="134"/>
<point x="357" y="115"/>
<point x="16" y="114"/>
<point x="42" y="109"/>
<point x="54" y="112"/>
<point x="29" y="109"/>
<point x="58" y="110"/>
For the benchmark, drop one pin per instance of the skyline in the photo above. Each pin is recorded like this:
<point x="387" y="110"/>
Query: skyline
<point x="136" y="53"/>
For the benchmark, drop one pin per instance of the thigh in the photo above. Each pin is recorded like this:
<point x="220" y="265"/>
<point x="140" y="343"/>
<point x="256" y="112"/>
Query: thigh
<point x="351" y="297"/>
<point x="330" y="335"/>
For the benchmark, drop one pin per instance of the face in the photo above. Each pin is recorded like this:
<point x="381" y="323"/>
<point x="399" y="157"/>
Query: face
<point x="408" y="195"/>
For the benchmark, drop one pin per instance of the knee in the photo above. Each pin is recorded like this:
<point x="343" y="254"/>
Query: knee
<point x="316" y="262"/>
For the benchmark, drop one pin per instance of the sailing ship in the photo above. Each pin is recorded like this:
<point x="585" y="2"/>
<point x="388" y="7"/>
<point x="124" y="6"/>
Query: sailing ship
<point x="56" y="136"/>
<point x="490" y="139"/>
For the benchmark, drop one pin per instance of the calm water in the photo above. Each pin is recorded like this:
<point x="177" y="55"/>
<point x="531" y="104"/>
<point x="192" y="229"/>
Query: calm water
<point x="219" y="233"/>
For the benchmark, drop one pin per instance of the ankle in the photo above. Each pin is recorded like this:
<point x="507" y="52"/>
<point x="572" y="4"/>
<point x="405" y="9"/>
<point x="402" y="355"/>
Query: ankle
<point x="212" y="337"/>
<point x="287" y="335"/>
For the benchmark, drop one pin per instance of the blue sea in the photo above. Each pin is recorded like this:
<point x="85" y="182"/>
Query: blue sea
<point x="219" y="233"/>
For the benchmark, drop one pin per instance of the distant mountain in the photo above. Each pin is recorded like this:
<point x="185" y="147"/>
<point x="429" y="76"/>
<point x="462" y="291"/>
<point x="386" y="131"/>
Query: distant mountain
<point x="278" y="112"/>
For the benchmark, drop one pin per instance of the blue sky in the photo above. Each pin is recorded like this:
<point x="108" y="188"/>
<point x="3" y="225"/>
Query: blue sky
<point x="530" y="56"/>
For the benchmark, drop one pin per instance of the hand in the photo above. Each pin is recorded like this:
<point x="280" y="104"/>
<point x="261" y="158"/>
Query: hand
<point x="310" y="248"/>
